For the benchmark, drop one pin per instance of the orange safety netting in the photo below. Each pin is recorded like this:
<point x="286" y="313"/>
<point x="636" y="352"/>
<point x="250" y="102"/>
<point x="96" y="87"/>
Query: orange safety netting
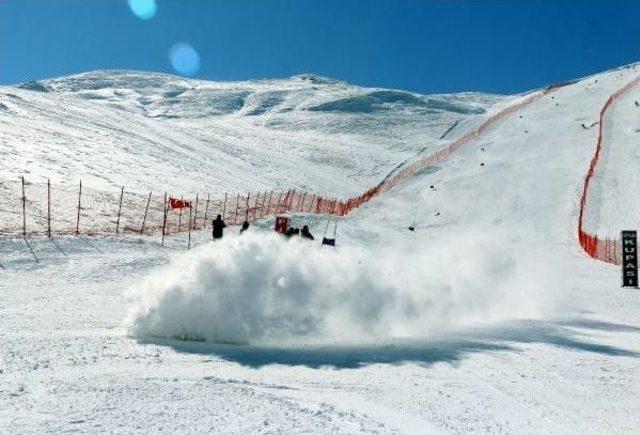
<point x="607" y="250"/>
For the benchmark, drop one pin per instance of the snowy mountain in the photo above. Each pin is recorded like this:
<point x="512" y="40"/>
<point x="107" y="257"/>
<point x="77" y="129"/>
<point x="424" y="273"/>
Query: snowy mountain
<point x="120" y="127"/>
<point x="488" y="317"/>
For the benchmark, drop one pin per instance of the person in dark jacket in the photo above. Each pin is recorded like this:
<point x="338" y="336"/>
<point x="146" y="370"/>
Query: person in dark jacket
<point x="305" y="233"/>
<point x="218" y="226"/>
<point x="245" y="227"/>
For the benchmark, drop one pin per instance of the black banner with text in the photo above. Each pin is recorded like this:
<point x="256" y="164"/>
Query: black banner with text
<point x="630" y="259"/>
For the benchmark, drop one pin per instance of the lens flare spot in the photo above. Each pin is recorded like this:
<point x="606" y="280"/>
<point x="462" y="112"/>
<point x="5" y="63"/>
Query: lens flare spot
<point x="143" y="9"/>
<point x="184" y="59"/>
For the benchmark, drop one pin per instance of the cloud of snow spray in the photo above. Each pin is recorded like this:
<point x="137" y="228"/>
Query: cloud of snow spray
<point x="261" y="288"/>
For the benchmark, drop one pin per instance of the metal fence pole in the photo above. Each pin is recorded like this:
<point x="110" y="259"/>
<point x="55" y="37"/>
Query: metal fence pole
<point x="290" y="204"/>
<point x="119" y="210"/>
<point x="237" y="207"/>
<point x="206" y="211"/>
<point x="24" y="210"/>
<point x="224" y="208"/>
<point x="49" y="208"/>
<point x="180" y="214"/>
<point x="146" y="210"/>
<point x="79" y="205"/>
<point x="189" y="242"/>
<point x="164" y="217"/>
<point x="269" y="204"/>
<point x="195" y="215"/>
<point x="246" y="212"/>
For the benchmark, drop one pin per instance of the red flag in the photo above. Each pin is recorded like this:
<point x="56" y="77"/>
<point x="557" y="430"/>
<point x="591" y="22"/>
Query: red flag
<point x="178" y="203"/>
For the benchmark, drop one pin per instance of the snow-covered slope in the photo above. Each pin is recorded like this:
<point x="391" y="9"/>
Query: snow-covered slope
<point x="488" y="318"/>
<point x="150" y="131"/>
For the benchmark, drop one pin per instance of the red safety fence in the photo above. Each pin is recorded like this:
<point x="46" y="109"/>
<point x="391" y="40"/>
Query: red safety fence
<point x="603" y="249"/>
<point x="45" y="208"/>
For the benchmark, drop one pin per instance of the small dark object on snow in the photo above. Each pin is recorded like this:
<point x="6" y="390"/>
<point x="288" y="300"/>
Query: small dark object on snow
<point x="328" y="242"/>
<point x="520" y="116"/>
<point x="245" y="227"/>
<point x="432" y="186"/>
<point x="218" y="226"/>
<point x="637" y="104"/>
<point x="412" y="228"/>
<point x="588" y="127"/>
<point x="526" y="131"/>
<point x="482" y="149"/>
<point x="305" y="233"/>
<point x="481" y="164"/>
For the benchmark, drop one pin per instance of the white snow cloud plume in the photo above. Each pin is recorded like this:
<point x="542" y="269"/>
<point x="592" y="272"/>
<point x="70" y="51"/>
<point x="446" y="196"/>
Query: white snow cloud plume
<point x="263" y="288"/>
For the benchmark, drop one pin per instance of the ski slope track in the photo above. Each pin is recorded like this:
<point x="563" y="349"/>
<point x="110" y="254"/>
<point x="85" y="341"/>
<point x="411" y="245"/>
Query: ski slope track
<point x="488" y="317"/>
<point x="608" y="249"/>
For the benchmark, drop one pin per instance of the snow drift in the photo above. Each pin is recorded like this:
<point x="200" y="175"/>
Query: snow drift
<point x="263" y="288"/>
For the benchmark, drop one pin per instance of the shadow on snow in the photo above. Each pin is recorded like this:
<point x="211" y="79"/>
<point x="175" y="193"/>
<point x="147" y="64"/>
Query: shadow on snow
<point x="565" y="334"/>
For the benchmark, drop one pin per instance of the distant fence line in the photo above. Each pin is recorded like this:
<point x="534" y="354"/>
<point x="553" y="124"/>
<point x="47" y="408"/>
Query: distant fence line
<point x="45" y="208"/>
<point x="604" y="249"/>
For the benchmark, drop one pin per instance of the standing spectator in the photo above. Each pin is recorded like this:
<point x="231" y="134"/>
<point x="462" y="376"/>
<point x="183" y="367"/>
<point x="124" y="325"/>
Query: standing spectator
<point x="218" y="226"/>
<point x="305" y="233"/>
<point x="245" y="227"/>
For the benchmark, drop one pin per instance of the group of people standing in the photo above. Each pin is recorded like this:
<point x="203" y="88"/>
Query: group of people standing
<point x="218" y="225"/>
<point x="304" y="233"/>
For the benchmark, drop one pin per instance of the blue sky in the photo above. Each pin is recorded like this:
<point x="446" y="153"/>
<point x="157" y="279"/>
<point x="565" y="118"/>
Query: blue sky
<point x="423" y="45"/>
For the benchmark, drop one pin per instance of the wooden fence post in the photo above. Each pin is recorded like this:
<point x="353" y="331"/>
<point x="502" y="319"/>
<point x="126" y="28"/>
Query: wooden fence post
<point x="278" y="203"/>
<point x="246" y="212"/>
<point x="180" y="214"/>
<point x="49" y="208"/>
<point x="264" y="201"/>
<point x="237" y="207"/>
<point x="189" y="242"/>
<point x="146" y="210"/>
<point x="291" y="197"/>
<point x="164" y="218"/>
<point x="224" y="208"/>
<point x="206" y="211"/>
<point x="313" y="201"/>
<point x="119" y="210"/>
<point x="195" y="215"/>
<point x="301" y="202"/>
<point x="79" y="205"/>
<point x="269" y="203"/>
<point x="255" y="206"/>
<point x="24" y="210"/>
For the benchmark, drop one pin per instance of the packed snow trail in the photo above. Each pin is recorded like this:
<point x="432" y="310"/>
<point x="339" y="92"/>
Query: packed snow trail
<point x="604" y="206"/>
